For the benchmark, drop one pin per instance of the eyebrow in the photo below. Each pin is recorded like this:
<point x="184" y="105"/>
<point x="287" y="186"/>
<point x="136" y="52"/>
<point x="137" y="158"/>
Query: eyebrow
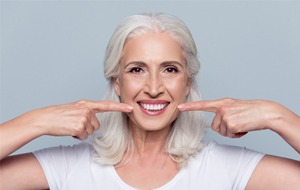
<point x="137" y="63"/>
<point x="142" y="64"/>
<point x="171" y="63"/>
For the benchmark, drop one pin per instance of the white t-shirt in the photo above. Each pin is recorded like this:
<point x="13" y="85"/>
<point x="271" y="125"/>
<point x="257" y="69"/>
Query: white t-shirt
<point x="215" y="167"/>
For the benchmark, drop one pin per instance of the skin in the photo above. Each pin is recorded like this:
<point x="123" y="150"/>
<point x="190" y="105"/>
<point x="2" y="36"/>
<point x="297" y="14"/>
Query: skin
<point x="75" y="119"/>
<point x="147" y="73"/>
<point x="234" y="118"/>
<point x="152" y="68"/>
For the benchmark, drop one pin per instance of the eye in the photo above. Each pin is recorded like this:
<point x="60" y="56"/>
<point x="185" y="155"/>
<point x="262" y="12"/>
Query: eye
<point x="135" y="70"/>
<point x="171" y="70"/>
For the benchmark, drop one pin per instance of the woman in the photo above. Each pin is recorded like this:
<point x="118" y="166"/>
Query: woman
<point x="149" y="137"/>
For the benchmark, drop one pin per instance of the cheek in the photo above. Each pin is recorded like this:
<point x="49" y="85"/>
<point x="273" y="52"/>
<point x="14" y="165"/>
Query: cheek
<point x="177" y="88"/>
<point x="129" y="89"/>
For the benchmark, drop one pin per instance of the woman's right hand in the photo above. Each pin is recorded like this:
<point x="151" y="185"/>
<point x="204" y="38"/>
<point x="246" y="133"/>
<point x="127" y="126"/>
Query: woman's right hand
<point x="77" y="119"/>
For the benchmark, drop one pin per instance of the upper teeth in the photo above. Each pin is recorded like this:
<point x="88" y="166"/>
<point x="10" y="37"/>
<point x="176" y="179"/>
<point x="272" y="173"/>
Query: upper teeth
<point x="153" y="107"/>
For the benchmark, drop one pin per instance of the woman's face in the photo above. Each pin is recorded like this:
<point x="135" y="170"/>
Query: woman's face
<point x="153" y="79"/>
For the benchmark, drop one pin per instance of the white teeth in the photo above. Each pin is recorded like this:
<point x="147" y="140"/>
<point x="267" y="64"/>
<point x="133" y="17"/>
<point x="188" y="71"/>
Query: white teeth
<point x="153" y="107"/>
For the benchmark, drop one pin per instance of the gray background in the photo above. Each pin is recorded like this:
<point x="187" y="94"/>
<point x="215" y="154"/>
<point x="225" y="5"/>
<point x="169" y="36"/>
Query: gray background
<point x="52" y="52"/>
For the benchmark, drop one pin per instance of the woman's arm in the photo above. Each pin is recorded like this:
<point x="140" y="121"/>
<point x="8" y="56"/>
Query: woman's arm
<point x="22" y="172"/>
<point x="76" y="119"/>
<point x="235" y="118"/>
<point x="275" y="173"/>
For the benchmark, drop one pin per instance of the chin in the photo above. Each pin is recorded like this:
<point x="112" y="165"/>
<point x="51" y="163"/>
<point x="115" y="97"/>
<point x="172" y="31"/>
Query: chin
<point x="149" y="124"/>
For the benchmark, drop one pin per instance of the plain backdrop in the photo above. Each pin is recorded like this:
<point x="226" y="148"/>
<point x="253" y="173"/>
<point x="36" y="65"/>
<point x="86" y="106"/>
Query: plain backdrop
<point x="52" y="53"/>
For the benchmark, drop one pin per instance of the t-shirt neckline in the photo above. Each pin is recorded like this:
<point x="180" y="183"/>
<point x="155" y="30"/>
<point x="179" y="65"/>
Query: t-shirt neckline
<point x="126" y="186"/>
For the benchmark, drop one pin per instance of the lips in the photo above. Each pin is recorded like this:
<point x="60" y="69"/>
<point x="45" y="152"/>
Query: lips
<point x="153" y="107"/>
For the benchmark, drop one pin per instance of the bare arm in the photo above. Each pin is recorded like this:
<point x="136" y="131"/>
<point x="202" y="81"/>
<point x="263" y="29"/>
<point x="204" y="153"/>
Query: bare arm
<point x="73" y="119"/>
<point x="16" y="133"/>
<point x="235" y="118"/>
<point x="22" y="172"/>
<point x="275" y="173"/>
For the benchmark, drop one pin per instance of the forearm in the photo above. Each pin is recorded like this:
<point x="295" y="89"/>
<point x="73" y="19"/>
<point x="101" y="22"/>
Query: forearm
<point x="73" y="119"/>
<point x="287" y="125"/>
<point x="291" y="133"/>
<point x="16" y="133"/>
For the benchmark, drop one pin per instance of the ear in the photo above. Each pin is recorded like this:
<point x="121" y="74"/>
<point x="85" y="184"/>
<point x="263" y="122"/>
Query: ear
<point x="188" y="87"/>
<point x="117" y="85"/>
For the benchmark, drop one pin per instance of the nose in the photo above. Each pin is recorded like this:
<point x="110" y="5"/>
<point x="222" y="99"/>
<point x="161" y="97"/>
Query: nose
<point x="154" y="85"/>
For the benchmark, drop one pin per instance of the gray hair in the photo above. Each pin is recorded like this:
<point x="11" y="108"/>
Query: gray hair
<point x="115" y="138"/>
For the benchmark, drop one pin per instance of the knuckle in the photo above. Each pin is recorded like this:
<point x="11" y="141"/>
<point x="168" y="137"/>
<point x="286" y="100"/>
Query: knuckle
<point x="85" y="111"/>
<point x="83" y="121"/>
<point x="226" y="118"/>
<point x="82" y="101"/>
<point x="215" y="127"/>
<point x="77" y="131"/>
<point x="228" y="100"/>
<point x="234" y="128"/>
<point x="223" y="110"/>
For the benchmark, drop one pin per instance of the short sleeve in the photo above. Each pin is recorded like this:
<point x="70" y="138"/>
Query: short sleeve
<point x="59" y="162"/>
<point x="239" y="163"/>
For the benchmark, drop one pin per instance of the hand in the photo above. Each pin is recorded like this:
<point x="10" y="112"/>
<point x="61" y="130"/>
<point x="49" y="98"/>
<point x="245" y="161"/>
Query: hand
<point x="235" y="118"/>
<point x="75" y="119"/>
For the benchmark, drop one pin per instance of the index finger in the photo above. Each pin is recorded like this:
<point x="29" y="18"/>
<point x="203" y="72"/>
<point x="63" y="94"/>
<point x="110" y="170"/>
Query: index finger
<point x="203" y="105"/>
<point x="107" y="106"/>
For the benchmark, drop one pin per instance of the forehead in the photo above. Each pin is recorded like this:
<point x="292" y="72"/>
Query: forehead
<point x="152" y="47"/>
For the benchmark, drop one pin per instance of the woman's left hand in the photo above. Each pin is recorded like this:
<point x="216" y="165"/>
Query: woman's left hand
<point x="234" y="118"/>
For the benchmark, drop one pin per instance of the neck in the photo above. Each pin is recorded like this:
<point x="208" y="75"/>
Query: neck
<point x="149" y="142"/>
<point x="149" y="149"/>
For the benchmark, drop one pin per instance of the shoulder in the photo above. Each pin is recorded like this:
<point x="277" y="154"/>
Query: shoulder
<point x="227" y="156"/>
<point x="64" y="156"/>
<point x="62" y="162"/>
<point x="232" y="166"/>
<point x="75" y="151"/>
<point x="222" y="151"/>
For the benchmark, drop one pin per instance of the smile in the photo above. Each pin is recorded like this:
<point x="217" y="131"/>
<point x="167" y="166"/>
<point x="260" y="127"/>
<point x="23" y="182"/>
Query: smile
<point x="153" y="107"/>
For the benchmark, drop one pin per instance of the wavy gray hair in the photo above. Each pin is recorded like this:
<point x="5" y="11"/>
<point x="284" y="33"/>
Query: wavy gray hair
<point x="115" y="138"/>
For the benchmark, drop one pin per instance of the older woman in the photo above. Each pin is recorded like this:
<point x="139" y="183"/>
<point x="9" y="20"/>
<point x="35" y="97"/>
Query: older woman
<point x="149" y="137"/>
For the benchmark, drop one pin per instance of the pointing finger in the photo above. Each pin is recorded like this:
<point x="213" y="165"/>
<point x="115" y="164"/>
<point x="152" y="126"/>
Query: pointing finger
<point x="106" y="106"/>
<point x="203" y="105"/>
<point x="111" y="106"/>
